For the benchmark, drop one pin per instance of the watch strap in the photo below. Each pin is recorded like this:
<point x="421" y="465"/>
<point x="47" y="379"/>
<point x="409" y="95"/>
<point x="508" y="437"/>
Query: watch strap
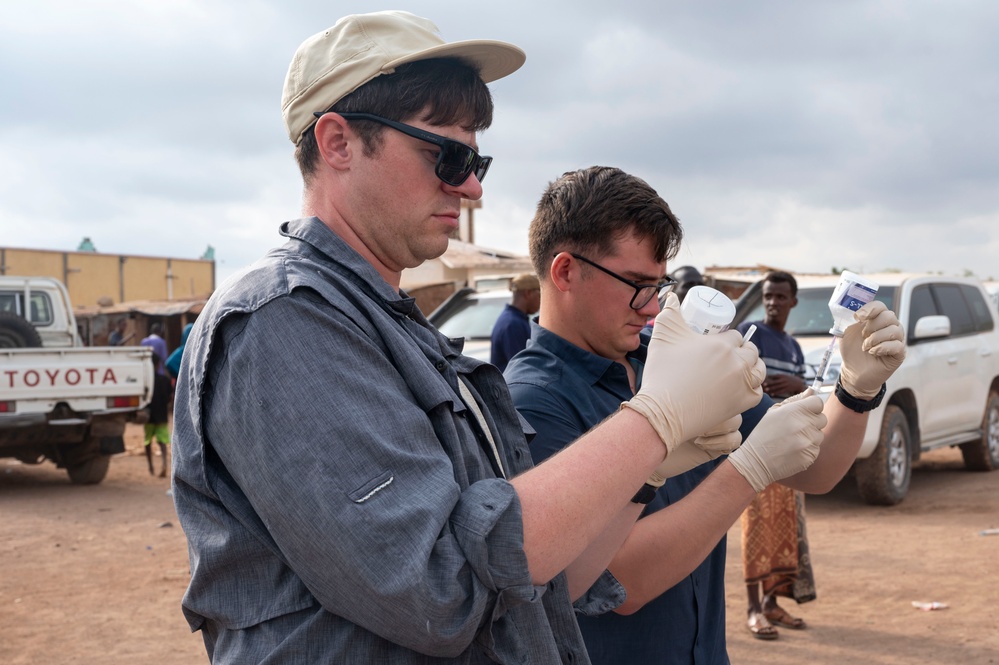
<point x="645" y="495"/>
<point x="860" y="405"/>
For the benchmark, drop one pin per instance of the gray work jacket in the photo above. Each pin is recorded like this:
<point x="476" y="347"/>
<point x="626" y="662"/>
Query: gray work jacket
<point x="340" y="501"/>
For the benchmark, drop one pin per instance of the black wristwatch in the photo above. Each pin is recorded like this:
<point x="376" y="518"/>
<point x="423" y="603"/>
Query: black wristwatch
<point x="646" y="494"/>
<point x="860" y="405"/>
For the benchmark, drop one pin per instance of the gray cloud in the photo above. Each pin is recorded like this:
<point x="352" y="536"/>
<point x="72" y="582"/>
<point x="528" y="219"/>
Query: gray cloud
<point x="805" y="135"/>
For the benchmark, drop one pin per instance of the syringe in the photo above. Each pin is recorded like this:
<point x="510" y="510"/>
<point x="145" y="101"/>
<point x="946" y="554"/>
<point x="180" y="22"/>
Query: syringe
<point x="821" y="371"/>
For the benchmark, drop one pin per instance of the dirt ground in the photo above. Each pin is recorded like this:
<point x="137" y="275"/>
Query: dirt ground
<point x="95" y="574"/>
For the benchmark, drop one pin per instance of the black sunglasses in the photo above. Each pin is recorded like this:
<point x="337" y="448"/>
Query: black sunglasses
<point x="644" y="293"/>
<point x="455" y="161"/>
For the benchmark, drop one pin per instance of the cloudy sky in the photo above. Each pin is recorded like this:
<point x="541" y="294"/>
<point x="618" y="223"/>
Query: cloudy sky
<point x="805" y="134"/>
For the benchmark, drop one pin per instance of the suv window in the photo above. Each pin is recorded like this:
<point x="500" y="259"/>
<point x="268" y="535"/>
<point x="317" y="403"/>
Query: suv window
<point x="922" y="304"/>
<point x="474" y="319"/>
<point x="811" y="316"/>
<point x="979" y="308"/>
<point x="951" y="302"/>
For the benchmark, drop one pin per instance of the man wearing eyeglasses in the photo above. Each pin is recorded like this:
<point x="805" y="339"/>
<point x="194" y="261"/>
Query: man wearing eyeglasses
<point x="599" y="241"/>
<point x="352" y="488"/>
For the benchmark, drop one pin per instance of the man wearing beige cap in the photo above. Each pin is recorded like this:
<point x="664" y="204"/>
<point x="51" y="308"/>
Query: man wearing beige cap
<point x="513" y="326"/>
<point x="352" y="488"/>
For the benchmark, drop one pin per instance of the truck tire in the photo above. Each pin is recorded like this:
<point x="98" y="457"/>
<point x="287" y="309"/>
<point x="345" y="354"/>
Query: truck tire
<point x="883" y="478"/>
<point x="90" y="471"/>
<point x="85" y="463"/>
<point x="983" y="453"/>
<point x="16" y="332"/>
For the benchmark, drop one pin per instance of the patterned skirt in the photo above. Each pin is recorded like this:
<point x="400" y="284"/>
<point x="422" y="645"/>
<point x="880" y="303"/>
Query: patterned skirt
<point x="775" y="544"/>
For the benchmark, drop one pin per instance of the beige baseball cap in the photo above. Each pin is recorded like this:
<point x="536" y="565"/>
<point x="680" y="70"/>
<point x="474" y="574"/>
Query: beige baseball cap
<point x="332" y="64"/>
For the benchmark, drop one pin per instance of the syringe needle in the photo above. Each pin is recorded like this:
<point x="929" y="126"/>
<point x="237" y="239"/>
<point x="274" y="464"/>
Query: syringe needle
<point x="821" y="372"/>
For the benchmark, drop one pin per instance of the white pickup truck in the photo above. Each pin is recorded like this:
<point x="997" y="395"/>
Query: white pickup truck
<point x="946" y="393"/>
<point x="60" y="400"/>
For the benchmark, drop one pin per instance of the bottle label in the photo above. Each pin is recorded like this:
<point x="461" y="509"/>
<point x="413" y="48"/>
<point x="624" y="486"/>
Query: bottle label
<point x="856" y="296"/>
<point x="707" y="328"/>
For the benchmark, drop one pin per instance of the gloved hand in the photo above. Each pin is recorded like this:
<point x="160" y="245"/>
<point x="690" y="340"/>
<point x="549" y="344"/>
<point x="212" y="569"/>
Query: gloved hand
<point x="721" y="440"/>
<point x="692" y="382"/>
<point x="785" y="441"/>
<point x="872" y="350"/>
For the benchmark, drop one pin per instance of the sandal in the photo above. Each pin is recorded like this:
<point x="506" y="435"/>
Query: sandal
<point x="780" y="616"/>
<point x="760" y="627"/>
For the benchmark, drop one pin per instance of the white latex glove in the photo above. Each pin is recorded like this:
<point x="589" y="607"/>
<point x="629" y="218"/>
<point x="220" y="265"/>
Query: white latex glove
<point x="720" y="440"/>
<point x="872" y="350"/>
<point x="785" y="441"/>
<point x="692" y="382"/>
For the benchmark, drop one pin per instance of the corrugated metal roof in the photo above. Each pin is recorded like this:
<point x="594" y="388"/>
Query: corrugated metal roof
<point x="147" y="307"/>
<point x="461" y="254"/>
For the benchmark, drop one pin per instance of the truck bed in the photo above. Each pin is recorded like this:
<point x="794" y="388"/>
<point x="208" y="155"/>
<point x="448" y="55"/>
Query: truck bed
<point x="34" y="381"/>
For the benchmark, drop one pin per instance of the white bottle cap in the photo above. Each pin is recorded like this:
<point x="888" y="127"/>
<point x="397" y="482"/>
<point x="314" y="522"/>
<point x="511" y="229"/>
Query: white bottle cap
<point x="707" y="310"/>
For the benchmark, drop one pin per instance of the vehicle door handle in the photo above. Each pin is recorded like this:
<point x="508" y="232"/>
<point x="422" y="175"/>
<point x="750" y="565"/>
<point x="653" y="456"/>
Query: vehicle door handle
<point x="952" y="360"/>
<point x="985" y="353"/>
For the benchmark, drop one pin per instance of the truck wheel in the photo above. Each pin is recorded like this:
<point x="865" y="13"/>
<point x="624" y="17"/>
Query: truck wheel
<point x="983" y="453"/>
<point x="90" y="471"/>
<point x="883" y="478"/>
<point x="16" y="332"/>
<point x="86" y="464"/>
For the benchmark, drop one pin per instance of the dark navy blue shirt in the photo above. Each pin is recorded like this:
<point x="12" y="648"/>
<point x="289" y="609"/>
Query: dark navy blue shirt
<point x="563" y="391"/>
<point x="780" y="352"/>
<point x="510" y="334"/>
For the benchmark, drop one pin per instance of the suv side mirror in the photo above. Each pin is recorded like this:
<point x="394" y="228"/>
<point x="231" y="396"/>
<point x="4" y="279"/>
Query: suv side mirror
<point x="929" y="327"/>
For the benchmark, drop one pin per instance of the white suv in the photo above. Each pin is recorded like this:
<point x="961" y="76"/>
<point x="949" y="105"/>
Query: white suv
<point x="946" y="393"/>
<point x="471" y="314"/>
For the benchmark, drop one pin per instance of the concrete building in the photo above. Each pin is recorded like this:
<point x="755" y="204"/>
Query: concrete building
<point x="95" y="279"/>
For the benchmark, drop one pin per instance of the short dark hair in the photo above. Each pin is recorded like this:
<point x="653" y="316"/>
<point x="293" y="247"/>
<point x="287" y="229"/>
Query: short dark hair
<point x="588" y="210"/>
<point x="781" y="277"/>
<point x="687" y="275"/>
<point x="442" y="91"/>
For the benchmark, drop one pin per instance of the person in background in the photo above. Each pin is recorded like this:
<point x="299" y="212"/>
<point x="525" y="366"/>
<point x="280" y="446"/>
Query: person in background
<point x="513" y="328"/>
<point x="156" y="342"/>
<point x="158" y="425"/>
<point x="686" y="277"/>
<point x="117" y="336"/>
<point x="352" y="488"/>
<point x="775" y="556"/>
<point x="173" y="360"/>
<point x="599" y="239"/>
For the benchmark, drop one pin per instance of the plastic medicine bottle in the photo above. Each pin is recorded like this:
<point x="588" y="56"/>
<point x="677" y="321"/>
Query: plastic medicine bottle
<point x="707" y="310"/>
<point x="851" y="293"/>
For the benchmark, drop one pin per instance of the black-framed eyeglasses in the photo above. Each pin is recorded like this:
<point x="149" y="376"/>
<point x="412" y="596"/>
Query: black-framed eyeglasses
<point x="644" y="293"/>
<point x="455" y="161"/>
